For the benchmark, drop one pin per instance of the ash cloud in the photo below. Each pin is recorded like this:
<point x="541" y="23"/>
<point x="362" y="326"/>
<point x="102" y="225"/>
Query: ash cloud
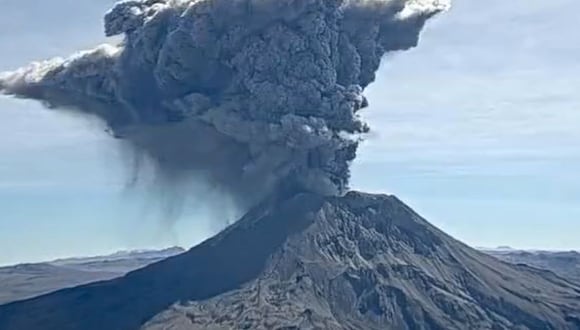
<point x="245" y="95"/>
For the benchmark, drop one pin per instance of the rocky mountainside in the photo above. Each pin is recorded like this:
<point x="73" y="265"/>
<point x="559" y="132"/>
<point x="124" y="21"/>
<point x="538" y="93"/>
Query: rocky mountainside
<point x="309" y="262"/>
<point x="24" y="281"/>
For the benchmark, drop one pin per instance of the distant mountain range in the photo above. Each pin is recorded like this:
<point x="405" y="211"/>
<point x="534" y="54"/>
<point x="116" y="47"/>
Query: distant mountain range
<point x="563" y="263"/>
<point x="30" y="280"/>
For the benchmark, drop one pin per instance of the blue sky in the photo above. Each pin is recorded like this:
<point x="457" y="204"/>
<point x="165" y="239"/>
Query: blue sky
<point x="477" y="129"/>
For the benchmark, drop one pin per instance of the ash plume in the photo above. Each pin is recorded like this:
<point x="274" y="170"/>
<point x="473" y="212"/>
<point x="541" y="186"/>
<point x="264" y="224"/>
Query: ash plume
<point x="244" y="95"/>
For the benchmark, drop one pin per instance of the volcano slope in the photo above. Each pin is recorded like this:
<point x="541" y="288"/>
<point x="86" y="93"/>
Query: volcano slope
<point x="360" y="261"/>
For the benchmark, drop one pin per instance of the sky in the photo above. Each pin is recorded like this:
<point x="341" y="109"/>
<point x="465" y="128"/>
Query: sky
<point x="477" y="129"/>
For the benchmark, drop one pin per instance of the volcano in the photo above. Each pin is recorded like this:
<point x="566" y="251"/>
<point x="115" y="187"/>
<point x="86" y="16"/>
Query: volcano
<point x="359" y="261"/>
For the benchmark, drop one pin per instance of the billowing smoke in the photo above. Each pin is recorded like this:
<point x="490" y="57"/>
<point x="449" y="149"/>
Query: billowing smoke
<point x="246" y="95"/>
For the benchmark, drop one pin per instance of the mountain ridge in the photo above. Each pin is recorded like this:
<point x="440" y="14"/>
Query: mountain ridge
<point x="563" y="263"/>
<point x="28" y="280"/>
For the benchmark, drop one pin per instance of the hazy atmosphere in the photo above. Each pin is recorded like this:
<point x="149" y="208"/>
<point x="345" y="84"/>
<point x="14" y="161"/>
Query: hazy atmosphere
<point x="477" y="129"/>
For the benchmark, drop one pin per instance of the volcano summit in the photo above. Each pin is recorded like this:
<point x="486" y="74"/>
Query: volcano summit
<point x="312" y="262"/>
